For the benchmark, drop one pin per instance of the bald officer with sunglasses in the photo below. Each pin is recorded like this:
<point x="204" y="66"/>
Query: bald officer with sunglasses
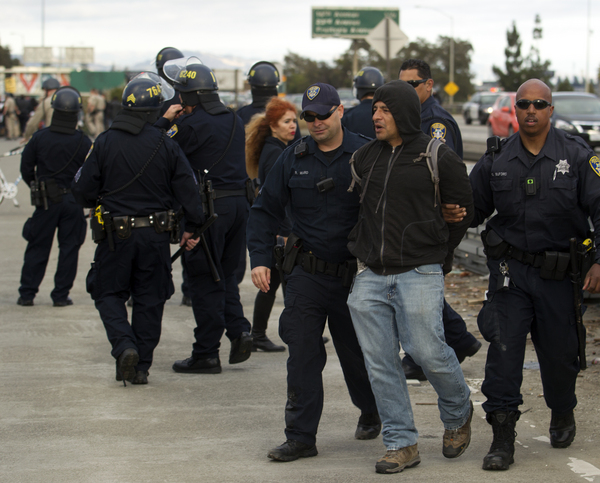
<point x="435" y="120"/>
<point x="312" y="177"/>
<point x="544" y="184"/>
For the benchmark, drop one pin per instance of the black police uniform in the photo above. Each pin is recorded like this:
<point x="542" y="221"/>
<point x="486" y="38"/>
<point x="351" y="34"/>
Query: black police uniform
<point x="439" y="123"/>
<point x="217" y="307"/>
<point x="359" y="119"/>
<point x="50" y="152"/>
<point x="322" y="220"/>
<point x="140" y="264"/>
<point x="564" y="181"/>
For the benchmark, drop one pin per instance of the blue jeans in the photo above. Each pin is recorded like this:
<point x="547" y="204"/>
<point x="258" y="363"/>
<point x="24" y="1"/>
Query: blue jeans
<point x="389" y="310"/>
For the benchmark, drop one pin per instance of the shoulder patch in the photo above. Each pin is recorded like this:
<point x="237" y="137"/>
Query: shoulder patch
<point x="595" y="164"/>
<point x="174" y="130"/>
<point x="438" y="130"/>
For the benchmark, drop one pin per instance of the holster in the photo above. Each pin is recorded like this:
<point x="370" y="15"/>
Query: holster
<point x="348" y="272"/>
<point x="53" y="192"/>
<point x="97" y="225"/>
<point x="555" y="265"/>
<point x="493" y="246"/>
<point x="290" y="253"/>
<point x="36" y="193"/>
<point x="175" y="237"/>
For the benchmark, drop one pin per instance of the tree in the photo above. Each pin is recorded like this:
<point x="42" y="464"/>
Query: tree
<point x="564" y="85"/>
<point x="519" y="69"/>
<point x="6" y="59"/>
<point x="513" y="77"/>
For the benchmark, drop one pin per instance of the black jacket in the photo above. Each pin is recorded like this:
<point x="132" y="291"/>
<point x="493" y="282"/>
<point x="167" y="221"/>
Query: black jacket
<point x="400" y="225"/>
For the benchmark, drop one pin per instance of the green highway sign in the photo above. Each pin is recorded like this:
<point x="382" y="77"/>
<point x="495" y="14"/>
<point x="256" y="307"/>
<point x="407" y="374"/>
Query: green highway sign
<point x="349" y="23"/>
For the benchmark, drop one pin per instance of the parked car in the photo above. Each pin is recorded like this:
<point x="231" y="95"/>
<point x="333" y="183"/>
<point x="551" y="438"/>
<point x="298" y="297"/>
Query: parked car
<point x="577" y="113"/>
<point x="479" y="107"/>
<point x="503" y="118"/>
<point x="347" y="97"/>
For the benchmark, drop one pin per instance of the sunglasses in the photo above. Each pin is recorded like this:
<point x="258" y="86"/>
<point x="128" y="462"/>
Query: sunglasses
<point x="320" y="117"/>
<point x="416" y="83"/>
<point x="538" y="104"/>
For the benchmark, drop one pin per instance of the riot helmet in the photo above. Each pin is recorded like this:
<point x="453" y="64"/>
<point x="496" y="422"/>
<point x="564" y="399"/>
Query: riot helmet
<point x="367" y="81"/>
<point x="66" y="99"/>
<point x="190" y="75"/>
<point x="50" y="84"/>
<point x="263" y="74"/>
<point x="166" y="54"/>
<point x="146" y="92"/>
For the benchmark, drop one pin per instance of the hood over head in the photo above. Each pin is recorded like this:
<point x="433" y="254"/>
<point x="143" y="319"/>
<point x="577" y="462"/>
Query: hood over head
<point x="403" y="102"/>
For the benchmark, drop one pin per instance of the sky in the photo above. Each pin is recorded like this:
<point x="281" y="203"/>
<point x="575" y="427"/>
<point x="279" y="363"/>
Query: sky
<point x="125" y="33"/>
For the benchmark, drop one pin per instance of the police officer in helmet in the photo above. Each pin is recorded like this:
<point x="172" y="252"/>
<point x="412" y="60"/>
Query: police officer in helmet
<point x="134" y="177"/>
<point x="42" y="115"/>
<point x="213" y="139"/>
<point x="48" y="164"/>
<point x="359" y="118"/>
<point x="263" y="78"/>
<point x="166" y="54"/>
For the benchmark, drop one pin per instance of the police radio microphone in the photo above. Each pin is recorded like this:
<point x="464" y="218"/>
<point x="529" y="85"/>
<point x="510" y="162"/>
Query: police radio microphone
<point x="493" y="145"/>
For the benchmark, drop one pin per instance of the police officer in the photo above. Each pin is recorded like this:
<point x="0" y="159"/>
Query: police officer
<point x="42" y="116"/>
<point x="263" y="78"/>
<point x="359" y="118"/>
<point x="438" y="123"/>
<point x="134" y="176"/>
<point x="166" y="54"/>
<point x="48" y="164"/>
<point x="313" y="176"/>
<point x="435" y="120"/>
<point x="213" y="139"/>
<point x="543" y="183"/>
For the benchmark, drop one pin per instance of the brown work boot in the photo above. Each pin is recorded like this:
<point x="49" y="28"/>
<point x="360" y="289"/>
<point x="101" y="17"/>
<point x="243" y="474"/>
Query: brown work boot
<point x="395" y="460"/>
<point x="456" y="441"/>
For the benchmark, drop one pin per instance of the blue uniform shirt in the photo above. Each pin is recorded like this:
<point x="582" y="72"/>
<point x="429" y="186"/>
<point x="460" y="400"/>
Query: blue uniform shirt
<point x="439" y="123"/>
<point x="322" y="220"/>
<point x="359" y="119"/>
<point x="203" y="138"/>
<point x="566" y="175"/>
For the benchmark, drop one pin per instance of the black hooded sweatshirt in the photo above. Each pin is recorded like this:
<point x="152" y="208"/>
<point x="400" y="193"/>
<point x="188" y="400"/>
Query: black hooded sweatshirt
<point x="400" y="224"/>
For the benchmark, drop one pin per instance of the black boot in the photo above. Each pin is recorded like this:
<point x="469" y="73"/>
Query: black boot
<point x="501" y="454"/>
<point x="562" y="429"/>
<point x="262" y="342"/>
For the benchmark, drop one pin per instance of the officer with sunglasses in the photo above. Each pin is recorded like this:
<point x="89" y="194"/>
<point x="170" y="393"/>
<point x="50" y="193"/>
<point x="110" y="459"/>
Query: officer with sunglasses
<point x="312" y="177"/>
<point x="435" y="120"/>
<point x="437" y="123"/>
<point x="544" y="184"/>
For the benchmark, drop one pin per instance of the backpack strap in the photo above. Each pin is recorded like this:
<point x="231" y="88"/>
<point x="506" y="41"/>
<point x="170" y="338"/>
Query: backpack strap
<point x="431" y="158"/>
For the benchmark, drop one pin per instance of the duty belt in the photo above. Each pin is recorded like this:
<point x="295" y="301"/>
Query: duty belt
<point x="534" y="259"/>
<point x="312" y="264"/>
<point x="225" y="193"/>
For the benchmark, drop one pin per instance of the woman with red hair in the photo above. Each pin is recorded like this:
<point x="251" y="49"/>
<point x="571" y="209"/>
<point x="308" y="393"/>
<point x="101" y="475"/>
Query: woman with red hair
<point x="267" y="135"/>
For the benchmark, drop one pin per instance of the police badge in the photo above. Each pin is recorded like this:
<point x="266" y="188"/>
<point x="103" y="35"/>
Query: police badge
<point x="595" y="164"/>
<point x="437" y="131"/>
<point x="313" y="92"/>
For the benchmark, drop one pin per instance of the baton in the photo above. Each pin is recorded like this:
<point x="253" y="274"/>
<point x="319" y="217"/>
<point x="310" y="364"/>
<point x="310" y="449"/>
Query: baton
<point x="576" y="281"/>
<point x="199" y="232"/>
<point x="13" y="152"/>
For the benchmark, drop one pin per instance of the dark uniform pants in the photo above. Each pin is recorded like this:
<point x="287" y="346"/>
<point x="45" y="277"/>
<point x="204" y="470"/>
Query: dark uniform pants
<point x="139" y="267"/>
<point x="216" y="305"/>
<point x="310" y="301"/>
<point x="39" y="230"/>
<point x="544" y="308"/>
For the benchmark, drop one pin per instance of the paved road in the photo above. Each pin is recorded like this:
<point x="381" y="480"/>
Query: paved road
<point x="63" y="417"/>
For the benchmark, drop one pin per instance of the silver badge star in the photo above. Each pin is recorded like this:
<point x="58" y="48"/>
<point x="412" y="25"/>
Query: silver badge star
<point x="562" y="166"/>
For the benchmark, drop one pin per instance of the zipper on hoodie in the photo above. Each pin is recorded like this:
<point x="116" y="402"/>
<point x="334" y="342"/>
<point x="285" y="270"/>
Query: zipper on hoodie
<point x="383" y="212"/>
